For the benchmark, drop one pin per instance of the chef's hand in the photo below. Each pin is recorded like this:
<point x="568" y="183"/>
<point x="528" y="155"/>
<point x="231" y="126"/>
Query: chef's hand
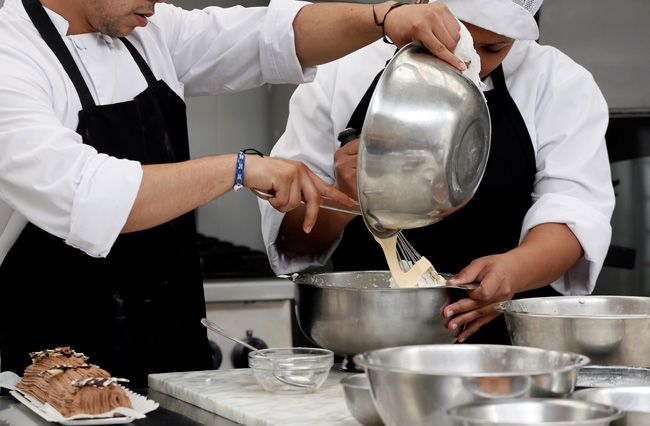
<point x="497" y="278"/>
<point x="433" y="24"/>
<point x="545" y="254"/>
<point x="345" y="168"/>
<point x="290" y="182"/>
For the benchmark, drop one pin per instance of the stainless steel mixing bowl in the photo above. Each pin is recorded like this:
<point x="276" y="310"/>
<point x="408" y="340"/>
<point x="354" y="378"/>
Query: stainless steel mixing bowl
<point x="610" y="330"/>
<point x="424" y="144"/>
<point x="534" y="411"/>
<point x="353" y="312"/>
<point x="634" y="401"/>
<point x="416" y="385"/>
<point x="358" y="400"/>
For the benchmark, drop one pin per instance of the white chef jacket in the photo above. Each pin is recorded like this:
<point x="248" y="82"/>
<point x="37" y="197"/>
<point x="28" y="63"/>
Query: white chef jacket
<point x="47" y="175"/>
<point x="564" y="111"/>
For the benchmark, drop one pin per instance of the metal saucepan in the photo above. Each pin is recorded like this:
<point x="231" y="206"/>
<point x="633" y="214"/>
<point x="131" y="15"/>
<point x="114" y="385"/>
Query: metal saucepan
<point x="424" y="143"/>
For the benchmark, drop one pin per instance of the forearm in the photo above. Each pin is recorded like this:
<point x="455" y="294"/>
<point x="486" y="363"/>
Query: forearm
<point x="292" y="238"/>
<point x="327" y="31"/>
<point x="318" y="41"/>
<point x="544" y="255"/>
<point x="170" y="190"/>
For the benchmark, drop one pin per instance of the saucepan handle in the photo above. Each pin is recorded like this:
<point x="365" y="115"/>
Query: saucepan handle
<point x="327" y="203"/>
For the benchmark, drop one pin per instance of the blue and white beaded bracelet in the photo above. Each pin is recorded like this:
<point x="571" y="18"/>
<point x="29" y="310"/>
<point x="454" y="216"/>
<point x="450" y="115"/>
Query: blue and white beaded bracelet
<point x="241" y="162"/>
<point x="239" y="173"/>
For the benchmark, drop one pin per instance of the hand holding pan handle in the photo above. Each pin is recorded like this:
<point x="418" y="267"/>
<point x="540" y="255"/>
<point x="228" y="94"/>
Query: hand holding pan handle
<point x="328" y="203"/>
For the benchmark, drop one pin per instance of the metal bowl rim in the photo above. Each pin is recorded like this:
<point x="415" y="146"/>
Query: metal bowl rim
<point x="581" y="361"/>
<point x="297" y="276"/>
<point x="616" y="413"/>
<point x="502" y="307"/>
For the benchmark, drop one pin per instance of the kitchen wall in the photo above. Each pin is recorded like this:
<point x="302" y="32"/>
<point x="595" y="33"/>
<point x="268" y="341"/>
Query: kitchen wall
<point x="226" y="124"/>
<point x="619" y="65"/>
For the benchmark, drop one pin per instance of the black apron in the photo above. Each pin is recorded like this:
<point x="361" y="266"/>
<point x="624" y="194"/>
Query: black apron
<point x="138" y="310"/>
<point x="489" y="224"/>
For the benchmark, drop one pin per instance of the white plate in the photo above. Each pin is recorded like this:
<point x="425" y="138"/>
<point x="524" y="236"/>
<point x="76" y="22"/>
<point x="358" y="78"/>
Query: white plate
<point x="141" y="405"/>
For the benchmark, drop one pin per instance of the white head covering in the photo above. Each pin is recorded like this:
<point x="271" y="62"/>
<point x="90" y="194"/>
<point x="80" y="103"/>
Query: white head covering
<point x="511" y="18"/>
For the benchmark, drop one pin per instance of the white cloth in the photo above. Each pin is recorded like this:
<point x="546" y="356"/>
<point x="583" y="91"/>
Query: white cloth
<point x="47" y="176"/>
<point x="564" y="111"/>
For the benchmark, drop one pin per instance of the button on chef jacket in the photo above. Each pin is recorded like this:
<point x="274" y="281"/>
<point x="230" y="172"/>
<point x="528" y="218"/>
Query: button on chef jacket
<point x="47" y="175"/>
<point x="564" y="112"/>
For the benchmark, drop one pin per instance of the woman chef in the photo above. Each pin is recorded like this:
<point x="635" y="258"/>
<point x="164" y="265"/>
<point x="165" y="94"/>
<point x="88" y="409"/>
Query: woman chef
<point x="538" y="224"/>
<point x="97" y="238"/>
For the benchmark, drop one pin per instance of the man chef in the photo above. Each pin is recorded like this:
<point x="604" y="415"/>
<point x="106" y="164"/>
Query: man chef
<point x="97" y="237"/>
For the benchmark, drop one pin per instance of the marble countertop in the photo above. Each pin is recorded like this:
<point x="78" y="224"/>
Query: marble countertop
<point x="236" y="395"/>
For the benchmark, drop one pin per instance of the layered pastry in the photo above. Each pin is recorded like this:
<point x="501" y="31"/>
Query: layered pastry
<point x="64" y="379"/>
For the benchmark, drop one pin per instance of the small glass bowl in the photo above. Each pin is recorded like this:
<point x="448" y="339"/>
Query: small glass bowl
<point x="311" y="363"/>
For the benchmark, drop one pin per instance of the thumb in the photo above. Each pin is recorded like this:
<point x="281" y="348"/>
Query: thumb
<point x="467" y="275"/>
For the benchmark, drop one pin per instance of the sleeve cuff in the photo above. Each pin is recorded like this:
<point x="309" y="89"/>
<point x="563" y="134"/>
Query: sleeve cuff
<point x="591" y="228"/>
<point x="281" y="262"/>
<point x="277" y="45"/>
<point x="103" y="203"/>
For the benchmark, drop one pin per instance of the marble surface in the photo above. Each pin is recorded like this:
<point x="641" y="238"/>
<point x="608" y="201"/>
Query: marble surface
<point x="236" y="395"/>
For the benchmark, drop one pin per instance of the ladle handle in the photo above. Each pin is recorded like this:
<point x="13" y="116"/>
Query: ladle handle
<point x="322" y="206"/>
<point x="214" y="327"/>
<point x="348" y="135"/>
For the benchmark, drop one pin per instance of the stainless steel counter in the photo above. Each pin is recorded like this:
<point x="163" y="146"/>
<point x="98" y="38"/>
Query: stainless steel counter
<point x="247" y="289"/>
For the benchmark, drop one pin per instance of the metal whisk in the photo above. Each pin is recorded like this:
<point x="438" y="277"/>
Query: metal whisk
<point x="407" y="256"/>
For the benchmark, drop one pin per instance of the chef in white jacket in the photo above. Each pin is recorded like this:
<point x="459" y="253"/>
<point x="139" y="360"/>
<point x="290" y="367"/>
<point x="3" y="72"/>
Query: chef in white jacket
<point x="97" y="237"/>
<point x="539" y="223"/>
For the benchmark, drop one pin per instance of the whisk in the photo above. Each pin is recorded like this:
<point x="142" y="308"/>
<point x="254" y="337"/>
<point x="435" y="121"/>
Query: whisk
<point x="407" y="256"/>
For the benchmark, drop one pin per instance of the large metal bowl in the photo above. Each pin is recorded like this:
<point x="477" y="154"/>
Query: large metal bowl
<point x="424" y="144"/>
<point x="610" y="330"/>
<point x="534" y="411"/>
<point x="416" y="385"/>
<point x="353" y="312"/>
<point x="358" y="400"/>
<point x="634" y="401"/>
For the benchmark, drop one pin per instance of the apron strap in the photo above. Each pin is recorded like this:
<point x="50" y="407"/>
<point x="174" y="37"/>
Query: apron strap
<point x="142" y="64"/>
<point x="359" y="114"/>
<point x="48" y="31"/>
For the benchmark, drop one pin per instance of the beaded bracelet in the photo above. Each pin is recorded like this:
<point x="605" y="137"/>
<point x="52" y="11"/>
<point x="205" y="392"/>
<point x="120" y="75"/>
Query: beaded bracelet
<point x="381" y="24"/>
<point x="241" y="162"/>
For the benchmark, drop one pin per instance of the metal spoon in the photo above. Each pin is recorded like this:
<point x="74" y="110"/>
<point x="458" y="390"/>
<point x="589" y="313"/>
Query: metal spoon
<point x="298" y="381"/>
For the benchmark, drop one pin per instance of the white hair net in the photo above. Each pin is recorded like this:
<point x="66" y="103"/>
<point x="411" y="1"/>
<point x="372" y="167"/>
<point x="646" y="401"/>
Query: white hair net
<point x="511" y="18"/>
